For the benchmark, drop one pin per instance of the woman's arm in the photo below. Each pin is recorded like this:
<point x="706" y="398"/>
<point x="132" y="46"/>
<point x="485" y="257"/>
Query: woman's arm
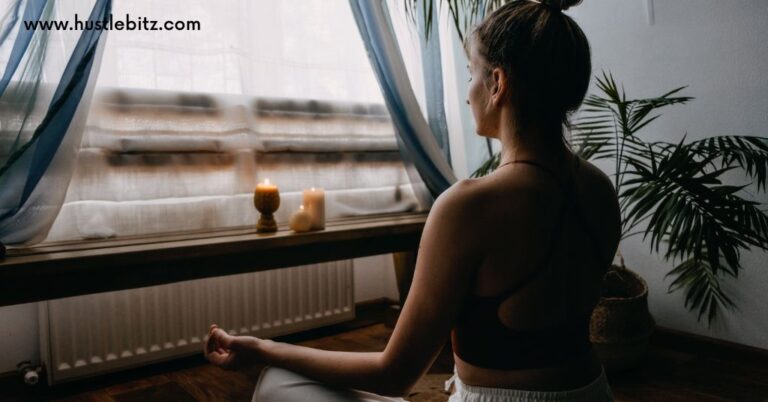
<point x="448" y="253"/>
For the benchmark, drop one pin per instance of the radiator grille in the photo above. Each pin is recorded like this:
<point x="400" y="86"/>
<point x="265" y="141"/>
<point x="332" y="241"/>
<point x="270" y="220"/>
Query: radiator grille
<point x="95" y="334"/>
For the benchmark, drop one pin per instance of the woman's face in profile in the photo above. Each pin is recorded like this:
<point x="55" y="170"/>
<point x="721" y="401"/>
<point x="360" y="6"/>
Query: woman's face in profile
<point x="478" y="96"/>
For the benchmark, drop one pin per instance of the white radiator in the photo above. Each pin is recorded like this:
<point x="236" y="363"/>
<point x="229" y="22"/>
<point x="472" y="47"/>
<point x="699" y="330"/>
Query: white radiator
<point x="94" y="334"/>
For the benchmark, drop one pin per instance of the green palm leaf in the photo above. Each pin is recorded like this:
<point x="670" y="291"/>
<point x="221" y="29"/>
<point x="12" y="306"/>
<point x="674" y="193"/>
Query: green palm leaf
<point x="690" y="210"/>
<point x="464" y="13"/>
<point x="488" y="166"/>
<point x="747" y="152"/>
<point x="702" y="289"/>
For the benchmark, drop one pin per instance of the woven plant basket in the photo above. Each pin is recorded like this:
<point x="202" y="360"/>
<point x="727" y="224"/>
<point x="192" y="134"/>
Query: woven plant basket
<point x="621" y="324"/>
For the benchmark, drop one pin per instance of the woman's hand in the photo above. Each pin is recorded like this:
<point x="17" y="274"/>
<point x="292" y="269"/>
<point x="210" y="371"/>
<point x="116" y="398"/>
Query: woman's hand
<point x="231" y="352"/>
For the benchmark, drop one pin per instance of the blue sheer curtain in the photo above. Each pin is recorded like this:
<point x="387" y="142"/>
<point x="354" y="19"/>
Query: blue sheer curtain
<point x="42" y="119"/>
<point x="418" y="145"/>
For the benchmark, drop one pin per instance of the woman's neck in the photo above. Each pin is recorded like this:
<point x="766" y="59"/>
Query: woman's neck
<point x="533" y="143"/>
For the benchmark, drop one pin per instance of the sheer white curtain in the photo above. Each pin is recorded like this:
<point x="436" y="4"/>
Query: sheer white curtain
<point x="468" y="150"/>
<point x="297" y="49"/>
<point x="185" y="123"/>
<point x="407" y="35"/>
<point x="45" y="91"/>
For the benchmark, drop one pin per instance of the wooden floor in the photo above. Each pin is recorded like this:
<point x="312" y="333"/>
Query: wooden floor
<point x="676" y="370"/>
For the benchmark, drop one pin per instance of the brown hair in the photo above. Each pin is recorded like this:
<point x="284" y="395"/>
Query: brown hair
<point x="545" y="55"/>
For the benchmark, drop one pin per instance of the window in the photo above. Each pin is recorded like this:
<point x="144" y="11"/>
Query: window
<point x="185" y="123"/>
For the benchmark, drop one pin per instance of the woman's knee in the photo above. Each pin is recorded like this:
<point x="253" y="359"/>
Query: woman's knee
<point x="279" y="385"/>
<point x="265" y="385"/>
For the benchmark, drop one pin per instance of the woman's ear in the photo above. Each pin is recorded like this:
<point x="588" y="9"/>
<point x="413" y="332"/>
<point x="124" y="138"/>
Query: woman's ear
<point x="498" y="90"/>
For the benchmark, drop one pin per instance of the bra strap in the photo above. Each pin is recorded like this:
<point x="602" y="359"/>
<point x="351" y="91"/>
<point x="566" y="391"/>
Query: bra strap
<point x="542" y="167"/>
<point x="567" y="191"/>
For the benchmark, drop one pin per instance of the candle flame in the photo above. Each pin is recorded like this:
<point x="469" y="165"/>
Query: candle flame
<point x="301" y="207"/>
<point x="313" y="189"/>
<point x="266" y="181"/>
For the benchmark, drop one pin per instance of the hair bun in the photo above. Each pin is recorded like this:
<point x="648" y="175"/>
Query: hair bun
<point x="561" y="4"/>
<point x="566" y="4"/>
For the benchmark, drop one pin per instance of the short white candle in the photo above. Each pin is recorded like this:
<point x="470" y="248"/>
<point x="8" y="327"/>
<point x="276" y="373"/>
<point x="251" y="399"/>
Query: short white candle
<point x="314" y="202"/>
<point x="300" y="221"/>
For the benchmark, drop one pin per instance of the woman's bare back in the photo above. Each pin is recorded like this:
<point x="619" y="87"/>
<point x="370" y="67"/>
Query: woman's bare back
<point x="523" y="204"/>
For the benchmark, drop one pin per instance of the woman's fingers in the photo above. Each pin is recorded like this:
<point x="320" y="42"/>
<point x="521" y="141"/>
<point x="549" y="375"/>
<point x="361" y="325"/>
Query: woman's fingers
<point x="214" y="342"/>
<point x="210" y="344"/>
<point x="219" y="359"/>
<point x="222" y="338"/>
<point x="216" y="348"/>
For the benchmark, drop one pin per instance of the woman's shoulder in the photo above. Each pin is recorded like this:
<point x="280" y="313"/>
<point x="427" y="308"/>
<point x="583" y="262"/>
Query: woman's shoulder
<point x="595" y="177"/>
<point x="519" y="188"/>
<point x="463" y="205"/>
<point x="471" y="192"/>
<point x="479" y="203"/>
<point x="597" y="189"/>
<point x="463" y="194"/>
<point x="526" y="190"/>
<point x="457" y="216"/>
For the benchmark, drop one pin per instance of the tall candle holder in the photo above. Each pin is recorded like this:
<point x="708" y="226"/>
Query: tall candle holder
<point x="266" y="199"/>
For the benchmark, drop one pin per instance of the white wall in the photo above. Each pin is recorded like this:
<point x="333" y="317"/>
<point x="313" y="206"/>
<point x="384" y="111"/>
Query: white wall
<point x="18" y="336"/>
<point x="374" y="278"/>
<point x="718" y="48"/>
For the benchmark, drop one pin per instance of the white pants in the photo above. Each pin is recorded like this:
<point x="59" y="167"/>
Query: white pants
<point x="596" y="391"/>
<point x="280" y="385"/>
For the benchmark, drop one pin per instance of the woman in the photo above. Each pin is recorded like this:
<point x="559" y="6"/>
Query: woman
<point x="509" y="265"/>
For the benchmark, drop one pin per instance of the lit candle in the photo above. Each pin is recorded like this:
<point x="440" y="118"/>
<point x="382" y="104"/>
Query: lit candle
<point x="300" y="221"/>
<point x="314" y="201"/>
<point x="266" y="187"/>
<point x="266" y="198"/>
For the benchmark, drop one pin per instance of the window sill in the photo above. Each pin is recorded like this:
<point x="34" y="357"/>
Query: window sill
<point x="55" y="270"/>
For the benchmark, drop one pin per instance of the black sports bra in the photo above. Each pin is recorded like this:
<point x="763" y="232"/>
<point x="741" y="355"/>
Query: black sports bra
<point x="481" y="339"/>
